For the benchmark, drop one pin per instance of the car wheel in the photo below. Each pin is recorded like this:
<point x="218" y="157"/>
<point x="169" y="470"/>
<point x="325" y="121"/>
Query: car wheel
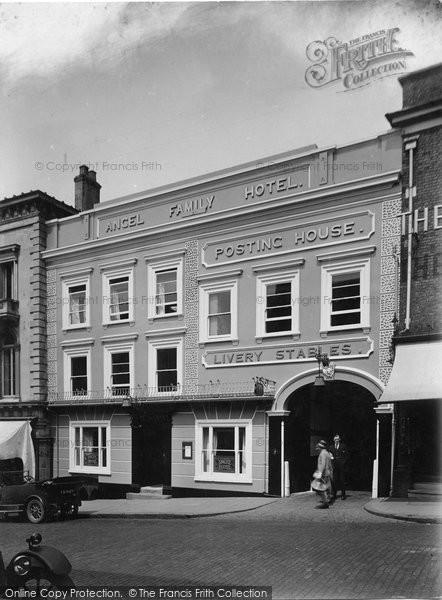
<point x="35" y="511"/>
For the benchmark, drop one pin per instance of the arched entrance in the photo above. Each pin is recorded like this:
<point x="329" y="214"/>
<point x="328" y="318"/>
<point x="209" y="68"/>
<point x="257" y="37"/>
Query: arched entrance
<point x="320" y="412"/>
<point x="310" y="413"/>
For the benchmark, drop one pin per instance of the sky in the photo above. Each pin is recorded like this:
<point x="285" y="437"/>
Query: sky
<point x="149" y="94"/>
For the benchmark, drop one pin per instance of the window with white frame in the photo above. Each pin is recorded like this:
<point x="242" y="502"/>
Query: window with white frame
<point x="218" y="311"/>
<point x="8" y="366"/>
<point x="76" y="309"/>
<point x="165" y="288"/>
<point x="346" y="295"/>
<point x="277" y="306"/>
<point x="7" y="280"/>
<point x="89" y="443"/>
<point x="118" y="294"/>
<point x="223" y="450"/>
<point x="77" y="371"/>
<point x="165" y="370"/>
<point x="119" y="369"/>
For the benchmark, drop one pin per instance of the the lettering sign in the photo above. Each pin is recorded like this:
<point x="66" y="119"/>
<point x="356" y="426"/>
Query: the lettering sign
<point x="337" y="230"/>
<point x="188" y="208"/>
<point x="422" y="219"/>
<point x="295" y="182"/>
<point x="338" y="349"/>
<point x="224" y="464"/>
<point x="125" y="222"/>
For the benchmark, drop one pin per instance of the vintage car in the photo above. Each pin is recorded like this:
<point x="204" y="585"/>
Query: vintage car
<point x="39" y="500"/>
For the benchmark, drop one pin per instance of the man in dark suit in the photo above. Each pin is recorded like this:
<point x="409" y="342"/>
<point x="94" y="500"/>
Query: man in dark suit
<point x="339" y="452"/>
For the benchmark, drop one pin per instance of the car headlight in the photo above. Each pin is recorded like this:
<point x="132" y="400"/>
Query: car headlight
<point x="22" y="565"/>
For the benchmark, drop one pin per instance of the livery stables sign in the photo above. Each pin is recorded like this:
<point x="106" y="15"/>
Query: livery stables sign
<point x="313" y="234"/>
<point x="356" y="63"/>
<point x="338" y="349"/>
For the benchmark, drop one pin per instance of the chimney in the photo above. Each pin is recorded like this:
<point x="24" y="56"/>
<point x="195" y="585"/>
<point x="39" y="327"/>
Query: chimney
<point x="87" y="190"/>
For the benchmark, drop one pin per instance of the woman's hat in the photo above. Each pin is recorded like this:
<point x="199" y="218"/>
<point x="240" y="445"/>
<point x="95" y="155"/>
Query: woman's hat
<point x="322" y="444"/>
<point x="318" y="485"/>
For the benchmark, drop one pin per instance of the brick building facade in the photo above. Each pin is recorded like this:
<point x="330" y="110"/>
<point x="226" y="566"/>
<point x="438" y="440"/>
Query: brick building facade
<point x="415" y="387"/>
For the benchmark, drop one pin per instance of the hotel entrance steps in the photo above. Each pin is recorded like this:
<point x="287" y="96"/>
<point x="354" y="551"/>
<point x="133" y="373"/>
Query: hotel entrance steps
<point x="426" y="491"/>
<point x="149" y="492"/>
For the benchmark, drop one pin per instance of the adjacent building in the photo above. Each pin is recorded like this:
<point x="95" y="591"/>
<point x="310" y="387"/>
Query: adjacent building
<point x="188" y="326"/>
<point x="23" y="357"/>
<point x="415" y="386"/>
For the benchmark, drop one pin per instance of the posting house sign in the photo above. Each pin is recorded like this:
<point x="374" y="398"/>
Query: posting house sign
<point x="286" y="240"/>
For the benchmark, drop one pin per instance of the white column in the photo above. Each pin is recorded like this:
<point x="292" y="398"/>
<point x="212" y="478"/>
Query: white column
<point x="374" y="486"/>
<point x="282" y="460"/>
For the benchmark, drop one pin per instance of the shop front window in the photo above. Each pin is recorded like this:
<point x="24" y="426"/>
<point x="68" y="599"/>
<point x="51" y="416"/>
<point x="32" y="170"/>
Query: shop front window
<point x="225" y="452"/>
<point x="90" y="447"/>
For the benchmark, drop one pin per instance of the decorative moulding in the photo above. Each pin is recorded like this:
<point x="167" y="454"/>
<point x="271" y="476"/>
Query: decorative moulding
<point x="76" y="273"/>
<point x="220" y="274"/>
<point x="348" y="253"/>
<point x="169" y="254"/>
<point x="78" y="342"/>
<point x="118" y="264"/>
<point x="165" y="332"/>
<point x="118" y="337"/>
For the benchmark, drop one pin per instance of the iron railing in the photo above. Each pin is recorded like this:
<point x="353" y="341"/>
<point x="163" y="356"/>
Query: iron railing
<point x="141" y="394"/>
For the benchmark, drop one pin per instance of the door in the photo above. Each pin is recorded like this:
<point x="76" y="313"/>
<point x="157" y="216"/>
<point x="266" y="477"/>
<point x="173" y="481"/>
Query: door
<point x="151" y="448"/>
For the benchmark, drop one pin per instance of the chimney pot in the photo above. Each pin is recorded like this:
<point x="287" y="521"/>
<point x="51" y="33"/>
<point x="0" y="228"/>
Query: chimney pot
<point x="87" y="190"/>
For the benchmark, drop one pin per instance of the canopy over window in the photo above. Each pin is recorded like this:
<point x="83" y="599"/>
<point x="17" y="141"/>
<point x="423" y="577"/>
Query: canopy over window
<point x="416" y="374"/>
<point x="16" y="442"/>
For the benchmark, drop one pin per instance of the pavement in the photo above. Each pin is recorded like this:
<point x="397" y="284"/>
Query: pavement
<point x="404" y="509"/>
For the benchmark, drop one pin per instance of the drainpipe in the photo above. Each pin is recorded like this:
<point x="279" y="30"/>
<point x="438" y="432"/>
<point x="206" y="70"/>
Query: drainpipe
<point x="410" y="193"/>
<point x="393" y="445"/>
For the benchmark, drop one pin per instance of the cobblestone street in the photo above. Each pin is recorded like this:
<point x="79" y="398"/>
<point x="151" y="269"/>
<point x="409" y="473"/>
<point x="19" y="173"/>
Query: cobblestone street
<point x="301" y="552"/>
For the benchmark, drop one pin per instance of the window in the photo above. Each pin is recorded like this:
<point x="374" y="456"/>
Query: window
<point x="345" y="299"/>
<point x="346" y="295"/>
<point x="7" y="275"/>
<point x="8" y="366"/>
<point x="277" y="304"/>
<point x="118" y="294"/>
<point x="119" y="298"/>
<point x="165" y="358"/>
<point x="218" y="312"/>
<point x="223" y="450"/>
<point x="77" y="371"/>
<point x="76" y="312"/>
<point x="119" y="369"/>
<point x="120" y="373"/>
<point x="167" y="374"/>
<point x="78" y="374"/>
<point x="90" y="447"/>
<point x="165" y="288"/>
